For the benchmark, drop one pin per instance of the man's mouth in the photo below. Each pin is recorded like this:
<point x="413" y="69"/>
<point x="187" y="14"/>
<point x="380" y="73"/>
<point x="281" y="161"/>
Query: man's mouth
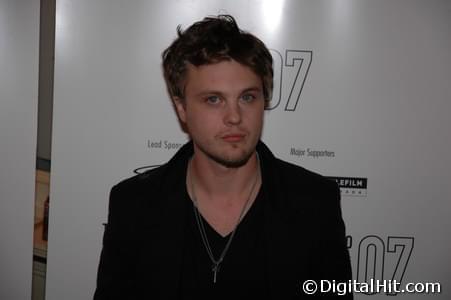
<point x="233" y="137"/>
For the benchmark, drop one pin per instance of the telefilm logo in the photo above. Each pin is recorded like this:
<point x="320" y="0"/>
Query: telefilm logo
<point x="351" y="186"/>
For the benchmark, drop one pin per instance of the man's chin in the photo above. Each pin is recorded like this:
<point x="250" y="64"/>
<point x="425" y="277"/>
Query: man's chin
<point x="231" y="162"/>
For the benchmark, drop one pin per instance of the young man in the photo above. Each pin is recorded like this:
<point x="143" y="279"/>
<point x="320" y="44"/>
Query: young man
<point x="224" y="218"/>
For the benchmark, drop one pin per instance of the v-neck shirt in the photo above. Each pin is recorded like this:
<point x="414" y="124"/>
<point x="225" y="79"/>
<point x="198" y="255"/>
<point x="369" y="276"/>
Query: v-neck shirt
<point x="242" y="273"/>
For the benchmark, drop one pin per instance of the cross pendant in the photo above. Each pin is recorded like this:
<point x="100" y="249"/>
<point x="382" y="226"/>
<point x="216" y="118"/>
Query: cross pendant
<point x="215" y="269"/>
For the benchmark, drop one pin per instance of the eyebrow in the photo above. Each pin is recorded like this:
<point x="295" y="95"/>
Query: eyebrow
<point x="252" y="89"/>
<point x="215" y="92"/>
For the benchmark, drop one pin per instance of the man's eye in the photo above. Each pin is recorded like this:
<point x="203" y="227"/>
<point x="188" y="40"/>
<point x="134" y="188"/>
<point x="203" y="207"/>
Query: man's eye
<point x="212" y="99"/>
<point x="248" y="97"/>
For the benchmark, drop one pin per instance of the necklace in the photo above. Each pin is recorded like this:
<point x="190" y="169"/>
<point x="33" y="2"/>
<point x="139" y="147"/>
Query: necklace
<point x="200" y="224"/>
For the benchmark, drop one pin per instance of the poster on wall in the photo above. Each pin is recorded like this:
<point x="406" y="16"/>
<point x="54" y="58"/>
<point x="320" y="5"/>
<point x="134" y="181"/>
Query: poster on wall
<point x="349" y="103"/>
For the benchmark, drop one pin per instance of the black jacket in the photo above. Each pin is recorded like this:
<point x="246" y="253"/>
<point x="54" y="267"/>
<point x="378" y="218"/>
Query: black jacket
<point x="142" y="244"/>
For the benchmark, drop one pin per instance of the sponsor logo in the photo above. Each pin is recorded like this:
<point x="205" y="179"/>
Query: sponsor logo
<point x="351" y="186"/>
<point x="144" y="169"/>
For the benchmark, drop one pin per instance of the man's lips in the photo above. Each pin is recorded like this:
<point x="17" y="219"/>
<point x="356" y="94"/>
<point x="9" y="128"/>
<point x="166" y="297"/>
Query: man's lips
<point x="233" y="137"/>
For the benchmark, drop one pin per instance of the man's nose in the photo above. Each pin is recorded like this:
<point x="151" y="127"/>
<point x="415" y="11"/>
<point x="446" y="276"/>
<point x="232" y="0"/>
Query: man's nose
<point x="233" y="113"/>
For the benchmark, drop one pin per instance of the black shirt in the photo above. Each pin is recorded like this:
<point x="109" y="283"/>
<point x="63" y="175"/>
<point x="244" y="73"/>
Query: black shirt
<point x="242" y="273"/>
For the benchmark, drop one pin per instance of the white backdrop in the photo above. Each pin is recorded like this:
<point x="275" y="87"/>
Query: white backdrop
<point x="362" y="95"/>
<point x="19" y="60"/>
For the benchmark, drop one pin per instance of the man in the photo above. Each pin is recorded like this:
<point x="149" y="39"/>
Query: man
<point x="224" y="218"/>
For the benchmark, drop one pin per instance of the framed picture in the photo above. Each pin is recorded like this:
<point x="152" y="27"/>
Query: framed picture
<point x="41" y="219"/>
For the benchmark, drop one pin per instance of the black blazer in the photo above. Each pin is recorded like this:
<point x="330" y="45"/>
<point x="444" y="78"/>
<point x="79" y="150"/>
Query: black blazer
<point x="142" y="243"/>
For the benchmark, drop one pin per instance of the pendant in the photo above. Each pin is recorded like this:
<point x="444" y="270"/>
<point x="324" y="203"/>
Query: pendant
<point x="215" y="270"/>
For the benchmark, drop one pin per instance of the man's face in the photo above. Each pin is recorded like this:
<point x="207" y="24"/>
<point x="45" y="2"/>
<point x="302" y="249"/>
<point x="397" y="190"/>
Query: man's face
<point x="223" y="111"/>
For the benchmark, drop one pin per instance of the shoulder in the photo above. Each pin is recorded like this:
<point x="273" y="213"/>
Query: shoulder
<point x="141" y="182"/>
<point x="161" y="177"/>
<point x="133" y="196"/>
<point x="150" y="189"/>
<point x="299" y="190"/>
<point x="292" y="178"/>
<point x="296" y="177"/>
<point x="294" y="185"/>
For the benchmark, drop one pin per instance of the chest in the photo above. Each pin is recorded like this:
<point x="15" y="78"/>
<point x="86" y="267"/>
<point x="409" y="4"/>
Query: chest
<point x="244" y="264"/>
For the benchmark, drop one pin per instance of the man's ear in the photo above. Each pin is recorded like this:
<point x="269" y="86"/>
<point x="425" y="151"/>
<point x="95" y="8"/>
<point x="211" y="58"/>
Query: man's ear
<point x="180" y="107"/>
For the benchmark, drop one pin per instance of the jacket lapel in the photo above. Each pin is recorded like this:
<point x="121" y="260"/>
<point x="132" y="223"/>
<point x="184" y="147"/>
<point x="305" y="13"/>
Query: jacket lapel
<point x="166" y="228"/>
<point x="285" y="230"/>
<point x="288" y="255"/>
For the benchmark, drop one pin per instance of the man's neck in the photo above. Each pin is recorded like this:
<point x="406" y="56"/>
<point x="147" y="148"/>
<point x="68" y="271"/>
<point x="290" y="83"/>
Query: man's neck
<point x="221" y="194"/>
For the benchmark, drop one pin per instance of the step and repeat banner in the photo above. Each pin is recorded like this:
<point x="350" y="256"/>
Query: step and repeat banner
<point x="362" y="92"/>
<point x="19" y="74"/>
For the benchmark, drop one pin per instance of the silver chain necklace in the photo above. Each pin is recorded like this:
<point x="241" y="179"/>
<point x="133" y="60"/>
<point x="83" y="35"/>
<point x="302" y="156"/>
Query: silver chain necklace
<point x="200" y="224"/>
